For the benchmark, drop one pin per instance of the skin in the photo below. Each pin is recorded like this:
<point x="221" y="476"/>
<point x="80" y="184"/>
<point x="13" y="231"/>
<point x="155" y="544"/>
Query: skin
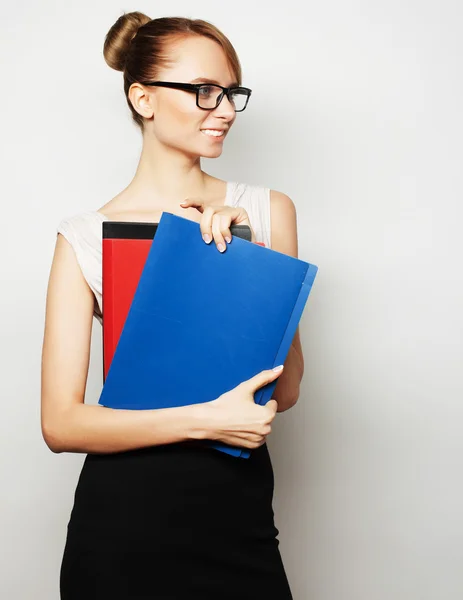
<point x="169" y="173"/>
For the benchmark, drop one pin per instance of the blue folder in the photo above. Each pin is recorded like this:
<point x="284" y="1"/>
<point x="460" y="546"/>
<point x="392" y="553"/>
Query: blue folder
<point x="201" y="321"/>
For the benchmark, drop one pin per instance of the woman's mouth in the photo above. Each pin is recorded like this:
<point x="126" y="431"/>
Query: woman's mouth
<point x="213" y="133"/>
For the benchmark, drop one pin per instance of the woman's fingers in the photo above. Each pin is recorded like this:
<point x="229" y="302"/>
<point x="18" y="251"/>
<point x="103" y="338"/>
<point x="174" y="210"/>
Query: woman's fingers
<point x="207" y="228"/>
<point x="216" y="220"/>
<point x="199" y="204"/>
<point x="221" y="230"/>
<point x="205" y="224"/>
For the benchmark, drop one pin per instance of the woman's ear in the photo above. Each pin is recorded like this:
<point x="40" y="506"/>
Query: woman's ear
<point x="142" y="101"/>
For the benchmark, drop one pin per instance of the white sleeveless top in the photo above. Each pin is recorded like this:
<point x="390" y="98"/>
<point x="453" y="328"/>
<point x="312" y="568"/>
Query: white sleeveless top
<point x="84" y="232"/>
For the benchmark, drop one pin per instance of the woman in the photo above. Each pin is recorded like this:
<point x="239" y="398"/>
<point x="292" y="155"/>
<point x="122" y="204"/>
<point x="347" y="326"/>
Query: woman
<point x="156" y="515"/>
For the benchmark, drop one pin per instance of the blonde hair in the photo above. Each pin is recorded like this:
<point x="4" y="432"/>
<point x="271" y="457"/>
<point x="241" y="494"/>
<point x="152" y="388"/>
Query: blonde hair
<point x="139" y="47"/>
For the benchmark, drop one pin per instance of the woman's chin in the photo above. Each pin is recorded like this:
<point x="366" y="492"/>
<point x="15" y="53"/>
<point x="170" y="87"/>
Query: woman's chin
<point x="212" y="152"/>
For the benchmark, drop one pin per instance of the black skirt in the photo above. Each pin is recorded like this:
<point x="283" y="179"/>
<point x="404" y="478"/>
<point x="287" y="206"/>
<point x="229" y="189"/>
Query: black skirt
<point x="174" y="522"/>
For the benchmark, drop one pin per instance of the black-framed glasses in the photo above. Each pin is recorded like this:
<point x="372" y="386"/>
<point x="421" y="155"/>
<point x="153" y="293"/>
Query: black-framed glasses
<point x="209" y="95"/>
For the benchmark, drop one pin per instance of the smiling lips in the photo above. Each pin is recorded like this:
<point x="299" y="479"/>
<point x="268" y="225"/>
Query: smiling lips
<point x="217" y="133"/>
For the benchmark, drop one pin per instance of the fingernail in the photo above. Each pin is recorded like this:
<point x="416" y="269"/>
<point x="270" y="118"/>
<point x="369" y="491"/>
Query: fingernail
<point x="279" y="368"/>
<point x="207" y="238"/>
<point x="228" y="239"/>
<point x="221" y="247"/>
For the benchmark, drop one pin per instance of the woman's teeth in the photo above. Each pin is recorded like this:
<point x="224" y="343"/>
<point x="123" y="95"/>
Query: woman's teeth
<point x="213" y="132"/>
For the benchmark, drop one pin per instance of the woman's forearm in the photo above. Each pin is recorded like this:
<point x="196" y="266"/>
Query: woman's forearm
<point x="97" y="429"/>
<point x="286" y="391"/>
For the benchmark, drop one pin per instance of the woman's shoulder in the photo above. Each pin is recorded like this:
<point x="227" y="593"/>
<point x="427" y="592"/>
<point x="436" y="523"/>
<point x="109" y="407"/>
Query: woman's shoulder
<point x="244" y="192"/>
<point x="247" y="185"/>
<point x="81" y="219"/>
<point x="259" y="197"/>
<point x="83" y="231"/>
<point x="84" y="226"/>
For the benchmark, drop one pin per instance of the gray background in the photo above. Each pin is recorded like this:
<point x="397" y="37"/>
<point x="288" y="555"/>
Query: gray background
<point x="356" y="114"/>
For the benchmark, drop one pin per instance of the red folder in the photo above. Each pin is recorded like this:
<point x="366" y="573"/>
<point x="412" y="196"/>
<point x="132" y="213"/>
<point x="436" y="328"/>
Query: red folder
<point x="125" y="247"/>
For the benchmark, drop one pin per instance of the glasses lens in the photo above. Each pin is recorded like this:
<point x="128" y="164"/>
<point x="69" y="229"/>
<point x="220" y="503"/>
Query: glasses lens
<point x="239" y="98"/>
<point x="208" y="95"/>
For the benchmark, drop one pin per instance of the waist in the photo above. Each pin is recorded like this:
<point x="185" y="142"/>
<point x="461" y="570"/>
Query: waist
<point x="135" y="493"/>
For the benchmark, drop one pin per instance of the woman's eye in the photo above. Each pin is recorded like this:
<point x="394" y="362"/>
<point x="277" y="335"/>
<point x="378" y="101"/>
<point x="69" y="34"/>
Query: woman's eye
<point x="205" y="90"/>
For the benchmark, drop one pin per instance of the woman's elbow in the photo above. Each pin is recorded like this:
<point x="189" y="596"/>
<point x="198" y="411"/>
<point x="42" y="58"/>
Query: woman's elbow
<point x="53" y="435"/>
<point x="288" y="402"/>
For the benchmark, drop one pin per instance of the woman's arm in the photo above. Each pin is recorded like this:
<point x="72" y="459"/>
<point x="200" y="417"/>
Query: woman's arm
<point x="284" y="239"/>
<point x="287" y="390"/>
<point x="69" y="425"/>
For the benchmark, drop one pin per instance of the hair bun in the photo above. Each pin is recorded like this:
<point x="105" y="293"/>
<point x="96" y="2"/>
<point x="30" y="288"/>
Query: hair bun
<point x="119" y="37"/>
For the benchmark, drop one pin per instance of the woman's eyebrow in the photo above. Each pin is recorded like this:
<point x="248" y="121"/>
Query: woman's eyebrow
<point x="206" y="80"/>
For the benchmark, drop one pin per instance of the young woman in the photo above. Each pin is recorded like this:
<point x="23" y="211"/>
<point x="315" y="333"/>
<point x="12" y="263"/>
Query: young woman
<point x="154" y="515"/>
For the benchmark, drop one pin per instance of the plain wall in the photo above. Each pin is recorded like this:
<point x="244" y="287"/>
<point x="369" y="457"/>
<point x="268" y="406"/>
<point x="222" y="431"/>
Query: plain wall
<point x="356" y="114"/>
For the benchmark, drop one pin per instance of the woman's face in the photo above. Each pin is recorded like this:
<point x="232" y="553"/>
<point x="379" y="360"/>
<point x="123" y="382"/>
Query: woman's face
<point x="177" y="122"/>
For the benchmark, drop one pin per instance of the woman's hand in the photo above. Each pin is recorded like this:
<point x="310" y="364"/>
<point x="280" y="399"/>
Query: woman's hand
<point x="216" y="220"/>
<point x="235" y="419"/>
